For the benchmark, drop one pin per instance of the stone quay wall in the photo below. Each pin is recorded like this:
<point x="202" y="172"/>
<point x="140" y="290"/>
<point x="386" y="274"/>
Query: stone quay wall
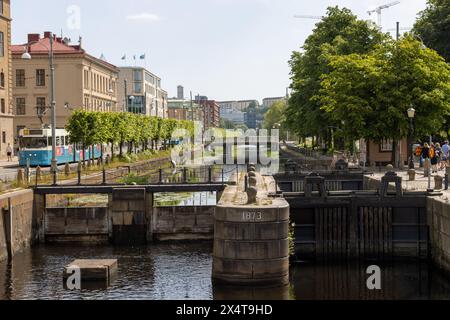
<point x="17" y="222"/>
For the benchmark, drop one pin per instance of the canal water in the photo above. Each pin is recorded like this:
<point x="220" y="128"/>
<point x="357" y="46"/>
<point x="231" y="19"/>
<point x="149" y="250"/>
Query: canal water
<point x="183" y="271"/>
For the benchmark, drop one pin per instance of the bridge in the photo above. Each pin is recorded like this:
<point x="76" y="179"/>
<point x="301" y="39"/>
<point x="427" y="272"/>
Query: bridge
<point x="109" y="189"/>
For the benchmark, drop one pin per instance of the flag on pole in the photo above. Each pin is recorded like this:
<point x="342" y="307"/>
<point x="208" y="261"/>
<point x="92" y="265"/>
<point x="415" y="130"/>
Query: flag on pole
<point x="142" y="57"/>
<point x="124" y="57"/>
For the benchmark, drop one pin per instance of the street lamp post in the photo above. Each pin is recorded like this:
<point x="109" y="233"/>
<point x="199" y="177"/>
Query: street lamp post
<point x="27" y="56"/>
<point x="411" y="115"/>
<point x="132" y="98"/>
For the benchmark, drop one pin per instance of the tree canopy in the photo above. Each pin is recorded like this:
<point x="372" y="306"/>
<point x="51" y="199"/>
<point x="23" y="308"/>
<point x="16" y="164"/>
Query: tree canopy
<point x="433" y="26"/>
<point x="338" y="33"/>
<point x="369" y="94"/>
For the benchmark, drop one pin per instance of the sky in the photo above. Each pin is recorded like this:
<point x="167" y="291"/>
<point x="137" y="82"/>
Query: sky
<point x="224" y="49"/>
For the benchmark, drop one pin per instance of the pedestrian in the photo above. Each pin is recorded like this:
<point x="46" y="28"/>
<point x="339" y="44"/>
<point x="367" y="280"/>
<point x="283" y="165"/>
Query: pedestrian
<point x="435" y="154"/>
<point x="425" y="156"/>
<point x="9" y="152"/>
<point x="445" y="154"/>
<point x="418" y="153"/>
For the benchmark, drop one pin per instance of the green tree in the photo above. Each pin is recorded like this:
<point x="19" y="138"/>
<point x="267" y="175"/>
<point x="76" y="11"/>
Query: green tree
<point x="369" y="94"/>
<point x="275" y="118"/>
<point x="433" y="26"/>
<point x="339" y="33"/>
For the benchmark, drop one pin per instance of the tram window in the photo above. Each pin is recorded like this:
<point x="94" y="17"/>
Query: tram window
<point x="62" y="141"/>
<point x="58" y="141"/>
<point x="49" y="141"/>
<point x="33" y="143"/>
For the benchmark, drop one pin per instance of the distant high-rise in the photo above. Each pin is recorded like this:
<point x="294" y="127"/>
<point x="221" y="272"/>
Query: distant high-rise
<point x="180" y="92"/>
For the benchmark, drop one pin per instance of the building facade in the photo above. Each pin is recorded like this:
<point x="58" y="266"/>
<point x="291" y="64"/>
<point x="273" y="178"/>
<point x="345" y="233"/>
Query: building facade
<point x="81" y="82"/>
<point x="237" y="117"/>
<point x="185" y="110"/>
<point x="140" y="92"/>
<point x="6" y="108"/>
<point x="240" y="105"/>
<point x="211" y="112"/>
<point x="268" y="102"/>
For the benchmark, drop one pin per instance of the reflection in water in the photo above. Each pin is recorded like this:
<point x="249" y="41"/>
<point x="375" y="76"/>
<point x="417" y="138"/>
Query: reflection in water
<point x="399" y="280"/>
<point x="221" y="292"/>
<point x="183" y="271"/>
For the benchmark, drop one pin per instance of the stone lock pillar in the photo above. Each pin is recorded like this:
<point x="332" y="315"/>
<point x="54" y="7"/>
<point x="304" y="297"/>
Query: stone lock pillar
<point x="387" y="179"/>
<point x="412" y="174"/>
<point x="313" y="179"/>
<point x="128" y="210"/>
<point x="438" y="182"/>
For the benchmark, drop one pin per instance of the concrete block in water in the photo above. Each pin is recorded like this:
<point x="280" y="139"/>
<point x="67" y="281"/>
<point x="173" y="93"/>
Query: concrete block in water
<point x="102" y="271"/>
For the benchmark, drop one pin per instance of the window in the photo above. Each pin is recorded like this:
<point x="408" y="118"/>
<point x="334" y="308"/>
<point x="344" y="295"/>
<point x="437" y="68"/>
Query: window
<point x="4" y="136"/>
<point x="2" y="44"/>
<point x="2" y="79"/>
<point x="386" y="145"/>
<point x="2" y="106"/>
<point x="40" y="77"/>
<point x="20" y="78"/>
<point x="20" y="106"/>
<point x="40" y="105"/>
<point x="138" y="87"/>
<point x="137" y="75"/>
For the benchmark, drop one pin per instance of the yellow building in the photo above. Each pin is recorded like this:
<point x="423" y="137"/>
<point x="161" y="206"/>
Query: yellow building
<point x="6" y="110"/>
<point x="81" y="80"/>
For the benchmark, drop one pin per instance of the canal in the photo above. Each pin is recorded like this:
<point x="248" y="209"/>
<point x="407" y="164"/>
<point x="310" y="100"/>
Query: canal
<point x="183" y="271"/>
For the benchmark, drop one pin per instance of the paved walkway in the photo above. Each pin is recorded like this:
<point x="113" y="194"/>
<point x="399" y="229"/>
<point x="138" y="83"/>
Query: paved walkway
<point x="8" y="170"/>
<point x="419" y="184"/>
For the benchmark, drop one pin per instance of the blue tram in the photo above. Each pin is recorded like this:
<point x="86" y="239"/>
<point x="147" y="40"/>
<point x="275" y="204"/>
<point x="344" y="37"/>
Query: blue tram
<point x="35" y="146"/>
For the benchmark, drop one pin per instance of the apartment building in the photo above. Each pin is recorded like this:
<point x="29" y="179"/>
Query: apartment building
<point x="6" y="110"/>
<point x="81" y="81"/>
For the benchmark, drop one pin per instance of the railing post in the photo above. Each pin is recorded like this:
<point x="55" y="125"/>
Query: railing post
<point x="210" y="174"/>
<point x="184" y="175"/>
<point x="55" y="172"/>
<point x="446" y="181"/>
<point x="160" y="175"/>
<point x="79" y="172"/>
<point x="104" y="175"/>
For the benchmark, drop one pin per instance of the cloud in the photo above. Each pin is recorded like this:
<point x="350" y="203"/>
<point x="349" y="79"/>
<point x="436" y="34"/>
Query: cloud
<point x="144" y="17"/>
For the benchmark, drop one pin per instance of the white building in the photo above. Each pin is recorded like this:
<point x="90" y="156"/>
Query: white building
<point x="140" y="92"/>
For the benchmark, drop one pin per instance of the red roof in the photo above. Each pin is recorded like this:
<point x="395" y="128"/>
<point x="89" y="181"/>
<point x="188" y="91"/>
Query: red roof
<point x="38" y="45"/>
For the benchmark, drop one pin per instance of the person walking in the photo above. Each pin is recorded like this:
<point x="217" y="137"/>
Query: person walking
<point x="425" y="156"/>
<point x="9" y="152"/>
<point x="445" y="154"/>
<point x="435" y="155"/>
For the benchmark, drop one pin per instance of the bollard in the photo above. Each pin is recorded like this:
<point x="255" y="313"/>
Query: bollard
<point x="38" y="174"/>
<point x="412" y="174"/>
<point x="67" y="169"/>
<point x="438" y="182"/>
<point x="27" y="172"/>
<point x="20" y="177"/>
<point x="426" y="168"/>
